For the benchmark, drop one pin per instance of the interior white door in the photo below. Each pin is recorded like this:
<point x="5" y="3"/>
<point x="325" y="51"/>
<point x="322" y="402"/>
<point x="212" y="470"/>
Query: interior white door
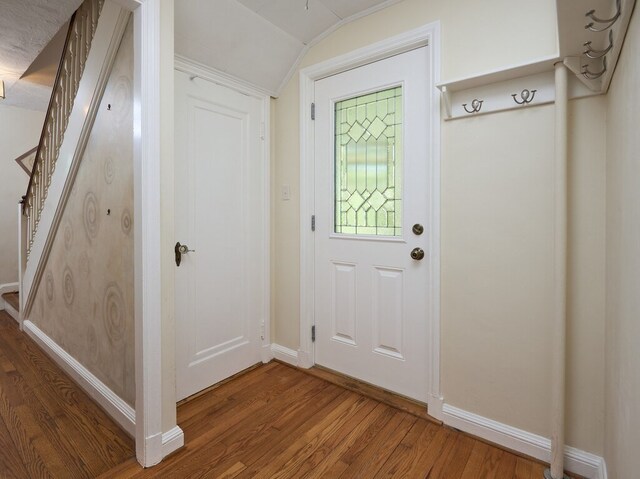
<point x="371" y="188"/>
<point x="220" y="215"/>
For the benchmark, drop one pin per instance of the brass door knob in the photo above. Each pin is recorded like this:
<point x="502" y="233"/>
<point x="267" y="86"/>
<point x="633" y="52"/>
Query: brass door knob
<point x="417" y="254"/>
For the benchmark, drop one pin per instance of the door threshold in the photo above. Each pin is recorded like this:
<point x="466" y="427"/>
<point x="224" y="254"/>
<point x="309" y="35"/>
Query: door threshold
<point x="411" y="406"/>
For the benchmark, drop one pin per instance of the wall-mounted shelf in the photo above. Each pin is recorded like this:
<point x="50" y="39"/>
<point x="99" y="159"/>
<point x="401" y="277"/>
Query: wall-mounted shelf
<point x="590" y="55"/>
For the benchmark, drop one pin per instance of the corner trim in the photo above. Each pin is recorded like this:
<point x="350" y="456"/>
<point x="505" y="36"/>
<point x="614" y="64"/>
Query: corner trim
<point x="113" y="405"/>
<point x="577" y="461"/>
<point x="284" y="354"/>
<point x="172" y="440"/>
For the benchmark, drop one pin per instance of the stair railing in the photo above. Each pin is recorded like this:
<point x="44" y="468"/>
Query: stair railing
<point x="82" y="28"/>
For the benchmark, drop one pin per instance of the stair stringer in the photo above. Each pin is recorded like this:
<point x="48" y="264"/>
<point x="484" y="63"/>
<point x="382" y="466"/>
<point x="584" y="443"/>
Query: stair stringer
<point x="106" y="41"/>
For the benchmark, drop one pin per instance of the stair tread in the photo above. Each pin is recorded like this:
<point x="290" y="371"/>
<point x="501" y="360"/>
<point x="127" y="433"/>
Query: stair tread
<point x="13" y="299"/>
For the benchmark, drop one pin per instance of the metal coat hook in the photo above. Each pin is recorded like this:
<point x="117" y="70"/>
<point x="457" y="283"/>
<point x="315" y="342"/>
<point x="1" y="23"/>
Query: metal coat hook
<point x="591" y="53"/>
<point x="594" y="75"/>
<point x="476" y="106"/>
<point x="526" y="96"/>
<point x="607" y="23"/>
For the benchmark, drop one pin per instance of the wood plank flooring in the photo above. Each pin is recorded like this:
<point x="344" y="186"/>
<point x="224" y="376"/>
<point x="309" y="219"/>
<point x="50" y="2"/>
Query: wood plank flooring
<point x="278" y="422"/>
<point x="49" y="428"/>
<point x="274" y="421"/>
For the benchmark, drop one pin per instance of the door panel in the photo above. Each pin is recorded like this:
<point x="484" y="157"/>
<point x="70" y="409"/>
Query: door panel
<point x="219" y="194"/>
<point x="371" y="187"/>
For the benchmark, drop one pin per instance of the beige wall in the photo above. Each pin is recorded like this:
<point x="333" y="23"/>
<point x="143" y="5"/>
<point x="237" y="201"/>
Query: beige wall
<point x="622" y="436"/>
<point x="497" y="223"/>
<point x="84" y="301"/>
<point x="19" y="132"/>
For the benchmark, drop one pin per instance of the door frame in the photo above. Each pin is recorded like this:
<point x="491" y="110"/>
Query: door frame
<point x="199" y="70"/>
<point x="427" y="35"/>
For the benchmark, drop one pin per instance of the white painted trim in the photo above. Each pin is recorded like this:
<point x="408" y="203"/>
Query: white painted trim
<point x="147" y="246"/>
<point x="602" y="470"/>
<point x="426" y="35"/>
<point x="115" y="406"/>
<point x="172" y="440"/>
<point x="577" y="461"/>
<point x="284" y="354"/>
<point x="193" y="67"/>
<point x="325" y="34"/>
<point x="104" y="46"/>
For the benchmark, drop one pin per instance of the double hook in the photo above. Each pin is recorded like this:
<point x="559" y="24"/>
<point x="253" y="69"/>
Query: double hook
<point x="593" y="54"/>
<point x="605" y="23"/>
<point x="526" y="96"/>
<point x="594" y="75"/>
<point x="476" y="106"/>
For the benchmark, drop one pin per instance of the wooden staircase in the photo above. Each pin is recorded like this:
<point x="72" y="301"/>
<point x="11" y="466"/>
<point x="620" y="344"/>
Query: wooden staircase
<point x="12" y="304"/>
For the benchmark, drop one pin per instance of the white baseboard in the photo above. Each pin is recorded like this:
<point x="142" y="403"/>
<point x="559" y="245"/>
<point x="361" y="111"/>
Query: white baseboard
<point x="266" y="353"/>
<point x="283" y="354"/>
<point x="115" y="406"/>
<point x="305" y="360"/>
<point x="579" y="462"/>
<point x="602" y="471"/>
<point x="172" y="440"/>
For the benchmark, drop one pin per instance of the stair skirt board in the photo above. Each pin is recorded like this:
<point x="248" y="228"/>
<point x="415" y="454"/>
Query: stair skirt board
<point x="115" y="406"/>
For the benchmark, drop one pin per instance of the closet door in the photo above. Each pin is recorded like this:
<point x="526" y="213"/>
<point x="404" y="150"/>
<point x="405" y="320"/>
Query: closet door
<point x="220" y="223"/>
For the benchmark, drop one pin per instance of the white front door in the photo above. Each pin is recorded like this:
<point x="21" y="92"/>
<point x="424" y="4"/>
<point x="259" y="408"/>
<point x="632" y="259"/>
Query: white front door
<point x="371" y="188"/>
<point x="220" y="214"/>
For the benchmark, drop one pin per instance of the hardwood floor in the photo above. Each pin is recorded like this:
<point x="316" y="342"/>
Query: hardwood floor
<point x="274" y="421"/>
<point x="278" y="422"/>
<point x="49" y="428"/>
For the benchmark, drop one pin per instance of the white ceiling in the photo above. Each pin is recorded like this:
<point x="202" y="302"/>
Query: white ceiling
<point x="258" y="41"/>
<point x="26" y="66"/>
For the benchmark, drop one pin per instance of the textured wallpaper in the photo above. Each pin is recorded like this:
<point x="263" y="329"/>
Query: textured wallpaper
<point x="84" y="301"/>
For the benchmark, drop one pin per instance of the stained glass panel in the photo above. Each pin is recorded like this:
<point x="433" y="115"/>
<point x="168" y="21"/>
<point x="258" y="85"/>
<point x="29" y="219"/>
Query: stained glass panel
<point x="368" y="164"/>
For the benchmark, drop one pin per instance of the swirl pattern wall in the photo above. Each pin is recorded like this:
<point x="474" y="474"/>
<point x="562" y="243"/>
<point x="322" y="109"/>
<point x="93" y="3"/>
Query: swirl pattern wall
<point x="85" y="300"/>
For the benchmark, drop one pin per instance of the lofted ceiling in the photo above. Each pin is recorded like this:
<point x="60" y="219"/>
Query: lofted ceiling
<point x="259" y="41"/>
<point x="33" y="33"/>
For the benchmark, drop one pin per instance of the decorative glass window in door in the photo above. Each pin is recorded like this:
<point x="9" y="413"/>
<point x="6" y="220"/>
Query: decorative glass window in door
<point x="368" y="164"/>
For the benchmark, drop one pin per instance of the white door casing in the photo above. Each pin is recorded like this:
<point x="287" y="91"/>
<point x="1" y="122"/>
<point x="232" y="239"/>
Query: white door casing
<point x="220" y="178"/>
<point x="308" y="354"/>
<point x="370" y="294"/>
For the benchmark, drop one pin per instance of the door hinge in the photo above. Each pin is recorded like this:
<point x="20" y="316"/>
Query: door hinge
<point x="313" y="333"/>
<point x="262" y="130"/>
<point x="262" y="330"/>
<point x="313" y="222"/>
<point x="313" y="111"/>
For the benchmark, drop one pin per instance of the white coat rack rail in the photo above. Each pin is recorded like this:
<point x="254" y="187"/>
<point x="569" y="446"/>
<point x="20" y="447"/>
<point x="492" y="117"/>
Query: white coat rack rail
<point x="591" y="34"/>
